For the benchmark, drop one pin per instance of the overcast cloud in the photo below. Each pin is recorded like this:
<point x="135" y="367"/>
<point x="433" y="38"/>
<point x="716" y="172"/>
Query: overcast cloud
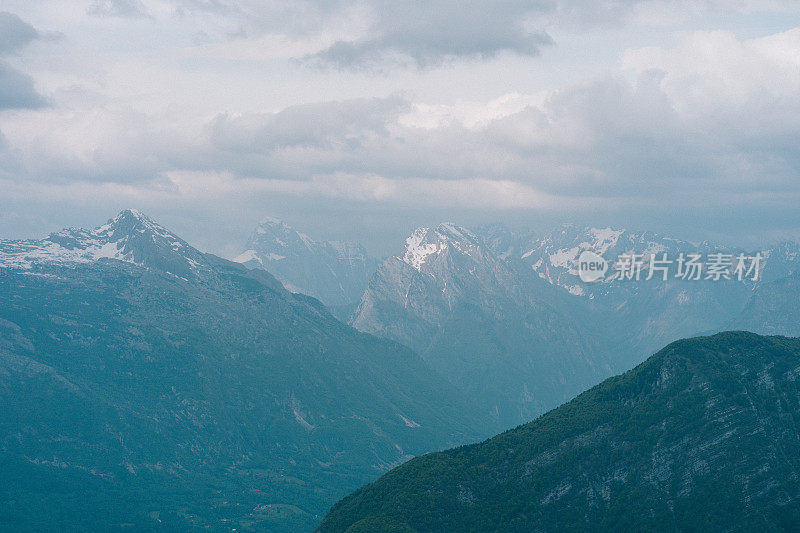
<point x="16" y="89"/>
<point x="365" y="119"/>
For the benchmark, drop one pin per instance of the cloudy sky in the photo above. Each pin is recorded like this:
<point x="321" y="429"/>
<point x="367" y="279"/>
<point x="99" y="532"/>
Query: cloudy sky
<point x="365" y="119"/>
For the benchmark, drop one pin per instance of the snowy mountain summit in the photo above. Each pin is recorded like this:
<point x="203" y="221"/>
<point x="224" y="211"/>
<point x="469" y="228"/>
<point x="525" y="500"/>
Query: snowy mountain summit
<point x="554" y="255"/>
<point x="131" y="237"/>
<point x="474" y="314"/>
<point x="425" y="245"/>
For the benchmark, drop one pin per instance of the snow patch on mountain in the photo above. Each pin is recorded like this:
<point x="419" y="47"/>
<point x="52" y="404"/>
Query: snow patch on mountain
<point x="130" y="236"/>
<point x="577" y="290"/>
<point x="565" y="258"/>
<point x="247" y="255"/>
<point x="424" y="243"/>
<point x="408" y="422"/>
<point x="417" y="249"/>
<point x="71" y="245"/>
<point x="604" y="239"/>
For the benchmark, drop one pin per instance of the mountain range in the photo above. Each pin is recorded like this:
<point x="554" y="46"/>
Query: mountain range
<point x="332" y="271"/>
<point x="146" y="384"/>
<point x="491" y="329"/>
<point x="641" y="316"/>
<point x="149" y="385"/>
<point x="504" y="315"/>
<point x="703" y="436"/>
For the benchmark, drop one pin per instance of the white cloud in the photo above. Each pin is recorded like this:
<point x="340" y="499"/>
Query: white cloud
<point x="118" y="8"/>
<point x="142" y="113"/>
<point x="714" y="72"/>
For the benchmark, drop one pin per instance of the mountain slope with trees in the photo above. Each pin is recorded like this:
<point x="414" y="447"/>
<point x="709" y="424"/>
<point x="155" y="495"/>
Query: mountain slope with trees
<point x="145" y="383"/>
<point x="704" y="435"/>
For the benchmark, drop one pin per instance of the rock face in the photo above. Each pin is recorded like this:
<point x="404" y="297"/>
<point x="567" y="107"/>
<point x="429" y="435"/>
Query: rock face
<point x="774" y="305"/>
<point x="639" y="316"/>
<point x="334" y="272"/>
<point x="644" y="315"/>
<point x="143" y="382"/>
<point x="492" y="330"/>
<point x="774" y="308"/>
<point x="130" y="237"/>
<point x="506" y="317"/>
<point x="702" y="436"/>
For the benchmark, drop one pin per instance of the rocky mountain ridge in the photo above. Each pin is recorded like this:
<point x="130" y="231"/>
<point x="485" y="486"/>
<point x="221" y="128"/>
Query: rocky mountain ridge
<point x="161" y="388"/>
<point x="703" y="435"/>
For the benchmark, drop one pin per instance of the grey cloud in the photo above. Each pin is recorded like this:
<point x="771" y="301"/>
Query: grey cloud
<point x="118" y="8"/>
<point x="621" y="138"/>
<point x="427" y="33"/>
<point x="292" y="17"/>
<point x="383" y="33"/>
<point x="17" y="90"/>
<point x="322" y="125"/>
<point x="324" y="136"/>
<point x="605" y="139"/>
<point x="14" y="33"/>
<point x="422" y="33"/>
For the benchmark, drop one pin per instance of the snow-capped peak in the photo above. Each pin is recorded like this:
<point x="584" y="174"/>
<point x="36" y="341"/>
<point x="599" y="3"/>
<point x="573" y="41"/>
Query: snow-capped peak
<point x="426" y="242"/>
<point x="417" y="249"/>
<point x="604" y="238"/>
<point x="133" y="222"/>
<point x="133" y="213"/>
<point x="267" y="220"/>
<point x="130" y="236"/>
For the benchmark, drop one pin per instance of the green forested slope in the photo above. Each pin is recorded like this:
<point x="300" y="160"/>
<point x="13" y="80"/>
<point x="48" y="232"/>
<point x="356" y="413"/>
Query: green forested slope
<point x="702" y="436"/>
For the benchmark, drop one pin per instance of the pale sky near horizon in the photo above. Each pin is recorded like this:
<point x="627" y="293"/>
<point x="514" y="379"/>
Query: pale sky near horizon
<point x="363" y="120"/>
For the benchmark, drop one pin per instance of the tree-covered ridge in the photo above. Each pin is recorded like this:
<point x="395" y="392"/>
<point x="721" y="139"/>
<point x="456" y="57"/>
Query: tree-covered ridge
<point x="704" y="435"/>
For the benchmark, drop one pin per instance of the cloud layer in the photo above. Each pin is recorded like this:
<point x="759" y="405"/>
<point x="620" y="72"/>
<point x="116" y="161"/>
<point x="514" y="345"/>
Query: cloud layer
<point x="196" y="106"/>
<point x="14" y="33"/>
<point x="16" y="89"/>
<point x="428" y="33"/>
<point x="667" y="120"/>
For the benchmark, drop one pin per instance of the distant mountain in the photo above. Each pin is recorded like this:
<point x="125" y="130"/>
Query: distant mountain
<point x="641" y="315"/>
<point x="498" y="333"/>
<point x="145" y="384"/>
<point x="774" y="308"/>
<point x="505" y="315"/>
<point x="554" y="255"/>
<point x="782" y="260"/>
<point x="129" y="237"/>
<point x="703" y="436"/>
<point x="334" y="272"/>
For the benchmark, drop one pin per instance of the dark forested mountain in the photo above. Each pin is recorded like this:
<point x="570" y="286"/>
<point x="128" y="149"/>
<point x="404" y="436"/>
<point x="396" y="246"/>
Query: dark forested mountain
<point x="498" y="333"/>
<point x="703" y="436"/>
<point x="334" y="272"/>
<point x="147" y="384"/>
